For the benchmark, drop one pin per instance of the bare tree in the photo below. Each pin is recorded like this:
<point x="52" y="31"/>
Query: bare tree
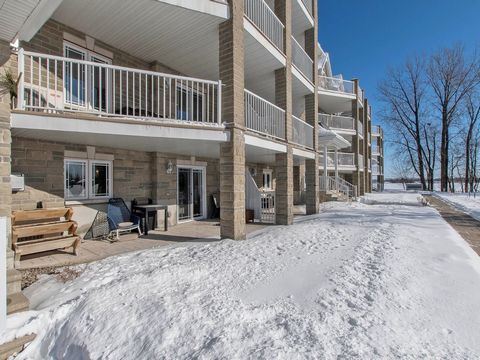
<point x="472" y="109"/>
<point x="451" y="78"/>
<point x="404" y="94"/>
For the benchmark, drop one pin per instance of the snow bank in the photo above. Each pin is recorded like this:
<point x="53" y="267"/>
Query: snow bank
<point x="355" y="282"/>
<point x="393" y="197"/>
<point x="463" y="202"/>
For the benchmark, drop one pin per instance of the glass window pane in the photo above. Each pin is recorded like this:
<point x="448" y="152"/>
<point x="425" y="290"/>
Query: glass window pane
<point x="75" y="78"/>
<point x="75" y="179"/>
<point x="100" y="179"/>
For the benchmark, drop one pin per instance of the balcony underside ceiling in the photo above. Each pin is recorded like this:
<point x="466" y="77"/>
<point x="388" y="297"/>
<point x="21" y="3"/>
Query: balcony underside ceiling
<point x="261" y="150"/>
<point x="260" y="66"/>
<point x="300" y="20"/>
<point x="334" y="103"/>
<point x="299" y="91"/>
<point x="185" y="40"/>
<point x="23" y="18"/>
<point x="140" y="137"/>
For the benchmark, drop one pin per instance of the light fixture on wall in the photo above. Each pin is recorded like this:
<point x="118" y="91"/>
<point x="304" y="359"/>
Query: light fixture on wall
<point x="170" y="167"/>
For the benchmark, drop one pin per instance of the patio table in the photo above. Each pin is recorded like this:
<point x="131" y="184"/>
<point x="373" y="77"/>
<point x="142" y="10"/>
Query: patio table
<point x="145" y="210"/>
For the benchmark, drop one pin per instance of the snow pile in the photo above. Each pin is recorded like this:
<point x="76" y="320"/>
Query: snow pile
<point x="463" y="202"/>
<point x="355" y="282"/>
<point x="393" y="198"/>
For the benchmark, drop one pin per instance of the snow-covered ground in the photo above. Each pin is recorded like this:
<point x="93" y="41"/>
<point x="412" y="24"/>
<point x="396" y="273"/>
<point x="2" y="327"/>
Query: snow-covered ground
<point x="464" y="202"/>
<point x="358" y="281"/>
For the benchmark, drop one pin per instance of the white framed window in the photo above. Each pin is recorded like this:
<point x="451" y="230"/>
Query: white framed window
<point x="267" y="179"/>
<point x="87" y="179"/>
<point x="86" y="86"/>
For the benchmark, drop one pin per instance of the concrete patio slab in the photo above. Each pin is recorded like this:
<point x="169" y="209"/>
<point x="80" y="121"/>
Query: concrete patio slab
<point x="93" y="250"/>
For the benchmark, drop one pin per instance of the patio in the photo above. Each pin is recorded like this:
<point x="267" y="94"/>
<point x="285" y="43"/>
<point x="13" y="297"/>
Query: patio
<point x="93" y="250"/>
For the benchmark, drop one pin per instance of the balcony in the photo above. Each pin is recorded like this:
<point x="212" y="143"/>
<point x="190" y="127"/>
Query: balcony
<point x="302" y="133"/>
<point x="345" y="124"/>
<point x="361" y="163"/>
<point x="360" y="95"/>
<point x="377" y="170"/>
<point x="360" y="129"/>
<point x="263" y="17"/>
<point x="309" y="6"/>
<point x="377" y="131"/>
<point x="345" y="160"/>
<point x="302" y="60"/>
<point x="376" y="150"/>
<point x="337" y="85"/>
<point x="263" y="117"/>
<point x="53" y="84"/>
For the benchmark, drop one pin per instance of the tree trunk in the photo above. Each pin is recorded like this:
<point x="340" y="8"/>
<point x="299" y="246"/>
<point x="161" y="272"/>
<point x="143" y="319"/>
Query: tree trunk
<point x="444" y="153"/>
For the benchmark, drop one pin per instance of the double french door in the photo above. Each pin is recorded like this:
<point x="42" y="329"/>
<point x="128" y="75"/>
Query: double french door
<point x="191" y="193"/>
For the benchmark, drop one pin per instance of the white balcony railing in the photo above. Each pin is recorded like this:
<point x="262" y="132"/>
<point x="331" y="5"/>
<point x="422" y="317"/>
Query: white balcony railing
<point x="302" y="60"/>
<point x="344" y="159"/>
<point x="360" y="162"/>
<point x="58" y="84"/>
<point x="360" y="128"/>
<point x="302" y="133"/>
<point x="339" y="185"/>
<point x="260" y="14"/>
<point x="309" y="5"/>
<point x="337" y="85"/>
<point x="337" y="121"/>
<point x="376" y="130"/>
<point x="360" y="94"/>
<point x="375" y="150"/>
<point x="264" y="117"/>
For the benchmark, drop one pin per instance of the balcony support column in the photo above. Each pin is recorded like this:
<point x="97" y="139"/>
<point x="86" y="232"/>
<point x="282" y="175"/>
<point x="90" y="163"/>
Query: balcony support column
<point x="283" y="99"/>
<point x="357" y="176"/>
<point x="336" y="166"/>
<point x="312" y="179"/>
<point x="232" y="153"/>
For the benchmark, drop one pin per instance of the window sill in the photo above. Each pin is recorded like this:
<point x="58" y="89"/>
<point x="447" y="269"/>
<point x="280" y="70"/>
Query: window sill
<point x="86" y="202"/>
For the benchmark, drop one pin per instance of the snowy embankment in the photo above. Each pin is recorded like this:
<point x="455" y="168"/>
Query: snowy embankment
<point x="355" y="282"/>
<point x="469" y="204"/>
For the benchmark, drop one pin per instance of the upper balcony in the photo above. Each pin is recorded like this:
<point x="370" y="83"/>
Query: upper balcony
<point x="165" y="31"/>
<point x="263" y="117"/>
<point x="341" y="124"/>
<point x="87" y="102"/>
<point x="302" y="133"/>
<point x="377" y="131"/>
<point x="337" y="94"/>
<point x="302" y="63"/>
<point x="54" y="84"/>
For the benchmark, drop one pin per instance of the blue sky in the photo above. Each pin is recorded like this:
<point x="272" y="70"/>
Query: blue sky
<point x="365" y="37"/>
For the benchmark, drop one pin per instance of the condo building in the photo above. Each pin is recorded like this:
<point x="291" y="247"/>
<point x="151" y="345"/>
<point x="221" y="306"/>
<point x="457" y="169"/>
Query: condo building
<point x="212" y="108"/>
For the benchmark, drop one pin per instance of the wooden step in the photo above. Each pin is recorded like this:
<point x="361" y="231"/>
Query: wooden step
<point x="16" y="303"/>
<point x="15" y="346"/>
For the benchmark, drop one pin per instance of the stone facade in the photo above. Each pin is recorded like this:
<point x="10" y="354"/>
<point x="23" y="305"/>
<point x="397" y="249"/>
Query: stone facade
<point x="135" y="174"/>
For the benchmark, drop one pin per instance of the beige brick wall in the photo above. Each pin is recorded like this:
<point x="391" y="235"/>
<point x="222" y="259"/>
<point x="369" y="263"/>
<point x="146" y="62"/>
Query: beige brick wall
<point x="135" y="174"/>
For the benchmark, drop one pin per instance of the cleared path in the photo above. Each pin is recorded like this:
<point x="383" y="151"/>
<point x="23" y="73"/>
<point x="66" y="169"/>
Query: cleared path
<point x="464" y="224"/>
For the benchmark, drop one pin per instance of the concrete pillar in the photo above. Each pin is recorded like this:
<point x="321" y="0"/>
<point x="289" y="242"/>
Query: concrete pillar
<point x="312" y="177"/>
<point x="357" y="178"/>
<point x="283" y="99"/>
<point x="336" y="165"/>
<point x="232" y="153"/>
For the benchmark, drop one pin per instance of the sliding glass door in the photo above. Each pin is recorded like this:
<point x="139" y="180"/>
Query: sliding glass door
<point x="191" y="193"/>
